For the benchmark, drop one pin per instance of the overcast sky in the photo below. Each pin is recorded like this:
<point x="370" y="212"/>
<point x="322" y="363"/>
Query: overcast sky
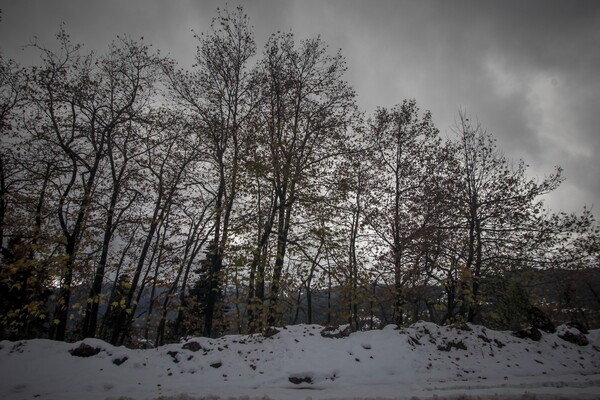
<point x="529" y="71"/>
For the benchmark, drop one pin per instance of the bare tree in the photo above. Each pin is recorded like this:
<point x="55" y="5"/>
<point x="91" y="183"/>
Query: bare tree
<point x="219" y="97"/>
<point x="79" y="101"/>
<point x="131" y="74"/>
<point x="405" y="150"/>
<point x="170" y="154"/>
<point x="306" y="108"/>
<point x="499" y="209"/>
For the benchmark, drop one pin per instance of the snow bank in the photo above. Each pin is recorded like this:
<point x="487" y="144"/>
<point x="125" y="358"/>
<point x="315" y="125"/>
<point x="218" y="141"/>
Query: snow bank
<point x="298" y="362"/>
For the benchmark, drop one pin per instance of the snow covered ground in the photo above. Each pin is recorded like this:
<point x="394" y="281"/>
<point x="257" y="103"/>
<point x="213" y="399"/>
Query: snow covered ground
<point x="424" y="361"/>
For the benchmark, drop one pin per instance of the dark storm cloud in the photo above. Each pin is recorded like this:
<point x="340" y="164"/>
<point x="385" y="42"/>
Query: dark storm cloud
<point x="545" y="56"/>
<point x="528" y="70"/>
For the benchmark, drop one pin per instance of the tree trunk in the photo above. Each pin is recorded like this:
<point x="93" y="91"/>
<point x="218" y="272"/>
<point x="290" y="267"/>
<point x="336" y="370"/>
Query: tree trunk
<point x="282" y="238"/>
<point x="119" y="328"/>
<point x="473" y="306"/>
<point x="91" y="315"/>
<point x="256" y="294"/>
<point x="71" y="247"/>
<point x="61" y="312"/>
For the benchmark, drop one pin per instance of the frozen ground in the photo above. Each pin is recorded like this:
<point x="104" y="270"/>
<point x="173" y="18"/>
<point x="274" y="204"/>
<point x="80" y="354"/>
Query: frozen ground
<point x="422" y="362"/>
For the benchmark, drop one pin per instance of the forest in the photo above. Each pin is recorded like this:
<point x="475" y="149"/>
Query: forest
<point x="142" y="202"/>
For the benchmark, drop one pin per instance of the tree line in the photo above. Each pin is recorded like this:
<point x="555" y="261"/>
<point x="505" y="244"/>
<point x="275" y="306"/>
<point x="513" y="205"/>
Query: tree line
<point x="228" y="193"/>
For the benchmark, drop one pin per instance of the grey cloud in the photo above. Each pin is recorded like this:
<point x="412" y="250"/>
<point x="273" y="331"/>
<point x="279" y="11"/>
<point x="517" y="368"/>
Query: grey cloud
<point x="528" y="70"/>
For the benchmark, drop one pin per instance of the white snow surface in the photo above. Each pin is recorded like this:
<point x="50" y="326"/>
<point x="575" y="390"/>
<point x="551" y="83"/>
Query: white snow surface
<point x="424" y="361"/>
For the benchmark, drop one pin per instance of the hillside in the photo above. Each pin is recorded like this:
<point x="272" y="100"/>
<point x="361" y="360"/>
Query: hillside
<point x="298" y="362"/>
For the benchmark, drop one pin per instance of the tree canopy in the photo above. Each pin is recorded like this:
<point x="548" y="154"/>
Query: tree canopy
<point x="141" y="202"/>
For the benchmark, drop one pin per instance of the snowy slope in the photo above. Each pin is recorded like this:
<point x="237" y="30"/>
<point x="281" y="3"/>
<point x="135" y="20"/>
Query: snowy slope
<point x="423" y="361"/>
